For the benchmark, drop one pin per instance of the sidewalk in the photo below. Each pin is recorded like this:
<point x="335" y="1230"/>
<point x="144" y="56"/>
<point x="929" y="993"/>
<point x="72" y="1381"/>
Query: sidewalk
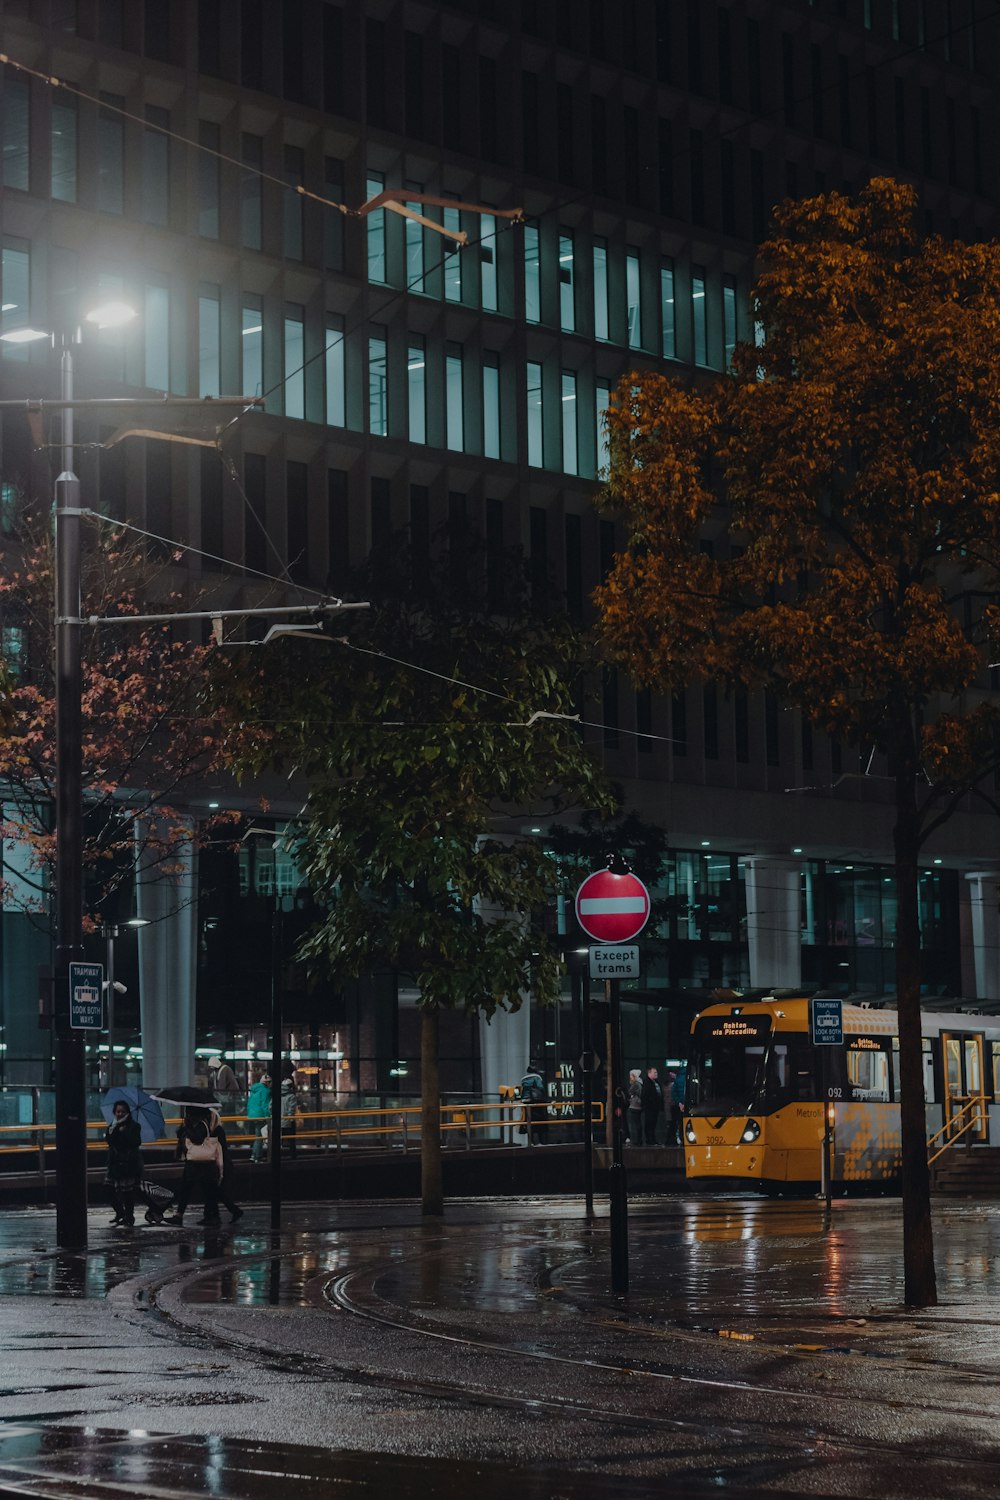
<point x="760" y="1351"/>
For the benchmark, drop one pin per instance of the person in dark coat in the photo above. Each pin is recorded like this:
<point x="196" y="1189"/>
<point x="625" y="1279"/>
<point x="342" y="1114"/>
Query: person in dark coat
<point x="652" y="1105"/>
<point x="226" y="1198"/>
<point x="124" y="1170"/>
<point x="202" y="1167"/>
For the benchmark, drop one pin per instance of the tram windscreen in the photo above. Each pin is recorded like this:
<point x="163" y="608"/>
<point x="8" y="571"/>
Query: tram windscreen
<point x="727" y="1064"/>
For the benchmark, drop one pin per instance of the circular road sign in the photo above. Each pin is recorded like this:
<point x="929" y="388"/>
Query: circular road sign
<point x="612" y="908"/>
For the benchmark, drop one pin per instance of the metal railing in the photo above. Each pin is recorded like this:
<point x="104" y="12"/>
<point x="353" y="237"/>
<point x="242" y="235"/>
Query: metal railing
<point x="398" y="1127"/>
<point x="972" y="1116"/>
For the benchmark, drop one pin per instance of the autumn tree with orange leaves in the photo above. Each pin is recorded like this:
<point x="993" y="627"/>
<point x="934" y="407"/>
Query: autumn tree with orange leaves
<point x="146" y="741"/>
<point x="855" y="459"/>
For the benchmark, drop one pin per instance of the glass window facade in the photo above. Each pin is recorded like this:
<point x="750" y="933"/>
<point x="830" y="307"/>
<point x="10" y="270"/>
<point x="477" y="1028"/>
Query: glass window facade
<point x="569" y="423"/>
<point x="699" y="316"/>
<point x="208" y="179"/>
<point x="453" y="385"/>
<point x="414" y="251"/>
<point x="452" y="219"/>
<point x="251" y="202"/>
<point x="488" y="262"/>
<point x="14" y="130"/>
<point x="378" y="390"/>
<point x="534" y="414"/>
<point x="156" y="335"/>
<point x="602" y="400"/>
<point x="532" y="278"/>
<point x="491" y="405"/>
<point x="729" y="318"/>
<point x="252" y="319"/>
<point x="336" y="382"/>
<point x="374" y="184"/>
<point x="156" y="167"/>
<point x="668" y="323"/>
<point x="633" y="293"/>
<point x="295" y="358"/>
<point x="602" y="326"/>
<point x="209" y="343"/>
<point x="64" y="150"/>
<point x="416" y="389"/>
<point x="567" y="283"/>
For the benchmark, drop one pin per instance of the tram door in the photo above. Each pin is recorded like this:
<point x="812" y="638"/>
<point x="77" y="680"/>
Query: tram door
<point x="962" y="1063"/>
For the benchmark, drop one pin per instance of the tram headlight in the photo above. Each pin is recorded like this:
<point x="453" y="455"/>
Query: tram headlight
<point x="689" y="1134"/>
<point x="751" y="1132"/>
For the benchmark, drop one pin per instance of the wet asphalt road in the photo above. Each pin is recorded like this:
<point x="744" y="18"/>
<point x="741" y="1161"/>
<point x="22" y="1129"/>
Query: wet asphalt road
<point x="762" y="1351"/>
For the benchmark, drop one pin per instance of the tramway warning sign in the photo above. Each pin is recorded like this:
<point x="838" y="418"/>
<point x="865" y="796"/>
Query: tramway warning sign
<point x="826" y="1023"/>
<point x="612" y="908"/>
<point x="86" y="997"/>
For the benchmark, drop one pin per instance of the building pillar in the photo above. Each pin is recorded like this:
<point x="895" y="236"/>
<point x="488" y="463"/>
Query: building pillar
<point x="773" y="890"/>
<point x="984" y="886"/>
<point x="168" y="950"/>
<point x="504" y="1038"/>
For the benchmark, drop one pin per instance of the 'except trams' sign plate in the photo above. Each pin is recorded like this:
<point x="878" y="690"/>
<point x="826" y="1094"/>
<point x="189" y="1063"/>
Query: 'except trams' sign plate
<point x="613" y="961"/>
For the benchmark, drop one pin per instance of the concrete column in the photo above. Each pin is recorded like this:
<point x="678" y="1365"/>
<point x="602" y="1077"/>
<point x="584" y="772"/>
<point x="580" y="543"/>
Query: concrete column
<point x="773" y="888"/>
<point x="167" y="958"/>
<point x="983" y="894"/>
<point x="505" y="1039"/>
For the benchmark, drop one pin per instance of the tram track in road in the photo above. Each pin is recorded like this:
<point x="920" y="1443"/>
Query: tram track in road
<point x="790" y="1410"/>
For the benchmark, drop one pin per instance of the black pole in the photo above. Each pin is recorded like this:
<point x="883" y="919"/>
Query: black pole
<point x="581" y="1012"/>
<point x="70" y="1049"/>
<point x="276" y="1064"/>
<point x="618" y="1193"/>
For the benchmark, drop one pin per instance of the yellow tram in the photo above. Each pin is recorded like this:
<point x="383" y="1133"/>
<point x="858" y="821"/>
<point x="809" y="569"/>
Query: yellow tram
<point x="757" y="1089"/>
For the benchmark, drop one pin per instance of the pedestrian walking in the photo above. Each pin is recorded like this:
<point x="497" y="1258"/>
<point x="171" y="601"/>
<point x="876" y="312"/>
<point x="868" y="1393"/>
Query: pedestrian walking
<point x="289" y="1112"/>
<point x="218" y="1130"/>
<point x="259" y="1113"/>
<point x="635" y="1106"/>
<point x="124" y="1169"/>
<point x="201" y="1154"/>
<point x="652" y="1105"/>
<point x="226" y="1085"/>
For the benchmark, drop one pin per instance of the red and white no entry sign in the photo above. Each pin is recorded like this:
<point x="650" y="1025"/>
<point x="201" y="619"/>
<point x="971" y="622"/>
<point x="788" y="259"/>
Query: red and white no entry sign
<point x="612" y="908"/>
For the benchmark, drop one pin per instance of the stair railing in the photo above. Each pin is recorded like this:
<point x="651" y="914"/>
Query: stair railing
<point x="971" y="1116"/>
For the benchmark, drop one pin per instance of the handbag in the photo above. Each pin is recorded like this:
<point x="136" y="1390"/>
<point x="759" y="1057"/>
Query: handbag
<point x="206" y="1150"/>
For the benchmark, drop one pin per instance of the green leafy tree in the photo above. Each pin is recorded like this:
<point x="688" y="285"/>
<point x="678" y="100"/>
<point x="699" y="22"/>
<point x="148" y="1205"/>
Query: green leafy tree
<point x="425" y="729"/>
<point x="853" y="460"/>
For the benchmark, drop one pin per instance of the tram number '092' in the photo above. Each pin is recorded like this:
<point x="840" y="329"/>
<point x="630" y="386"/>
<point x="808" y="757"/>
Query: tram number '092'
<point x="835" y="1093"/>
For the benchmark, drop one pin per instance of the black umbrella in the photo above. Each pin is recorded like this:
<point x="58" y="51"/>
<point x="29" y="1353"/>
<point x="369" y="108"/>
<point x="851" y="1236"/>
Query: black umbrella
<point x="188" y="1096"/>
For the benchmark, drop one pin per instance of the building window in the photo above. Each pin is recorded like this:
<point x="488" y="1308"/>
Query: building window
<point x="156" y="332"/>
<point x="336" y="384"/>
<point x="110" y="155"/>
<point x="644" y="721"/>
<point x="532" y="284"/>
<point x="729" y="317"/>
<point x="491" y="405"/>
<point x="14" y="129"/>
<point x="601" y="324"/>
<point x="13" y="649"/>
<point x="668" y="323"/>
<point x="15" y="285"/>
<point x="710" y="720"/>
<point x="156" y="167"/>
<point x="375" y="184"/>
<point x="569" y="423"/>
<point x="251" y="214"/>
<point x="414" y="248"/>
<point x="252" y="346"/>
<point x="699" y="316"/>
<point x="534" y="424"/>
<point x="295" y="358"/>
<point x="64" y="150"/>
<point x="208" y="180"/>
<point x="455" y="426"/>
<point x="772" y="742"/>
<point x="297" y="510"/>
<point x="633" y="293"/>
<point x="208" y="343"/>
<point x="567" y="297"/>
<point x="416" y="388"/>
<point x="378" y="413"/>
<point x="678" y="723"/>
<point x="295" y="167"/>
<point x="602" y="400"/>
<point x="488" y="262"/>
<point x="452" y="258"/>
<point x="741" y="725"/>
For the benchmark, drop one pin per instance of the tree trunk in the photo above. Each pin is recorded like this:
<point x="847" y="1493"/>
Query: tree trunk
<point x="431" y="1191"/>
<point x="920" y="1282"/>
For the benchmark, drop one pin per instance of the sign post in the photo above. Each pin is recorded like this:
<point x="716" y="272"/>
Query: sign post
<point x="826" y="1029"/>
<point x="612" y="906"/>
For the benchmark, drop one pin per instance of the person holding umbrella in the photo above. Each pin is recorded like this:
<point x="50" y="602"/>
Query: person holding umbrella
<point x="124" y="1169"/>
<point x="201" y="1154"/>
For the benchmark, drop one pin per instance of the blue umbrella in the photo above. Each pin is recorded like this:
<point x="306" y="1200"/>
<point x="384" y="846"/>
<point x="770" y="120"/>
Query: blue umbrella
<point x="144" y="1109"/>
